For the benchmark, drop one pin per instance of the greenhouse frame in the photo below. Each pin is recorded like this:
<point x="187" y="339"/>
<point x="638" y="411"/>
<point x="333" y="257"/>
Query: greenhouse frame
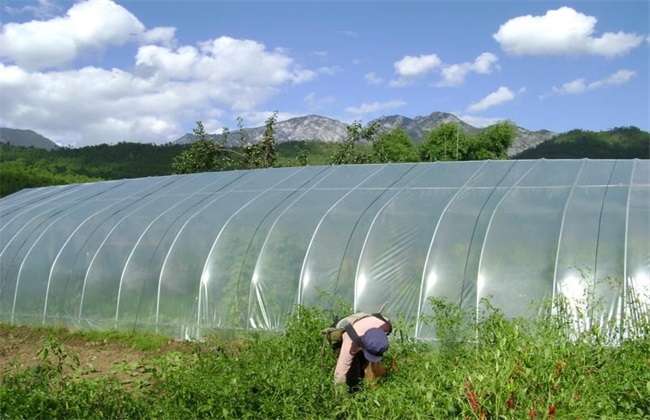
<point x="183" y="255"/>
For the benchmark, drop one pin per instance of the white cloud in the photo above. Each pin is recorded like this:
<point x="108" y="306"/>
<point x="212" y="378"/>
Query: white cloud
<point x="618" y="78"/>
<point x="319" y="53"/>
<point x="164" y="86"/>
<point x="454" y="74"/>
<point x="573" y="87"/>
<point x="373" y="79"/>
<point x="92" y="105"/>
<point x="329" y="71"/>
<point x="410" y="68"/>
<point x="367" y="108"/>
<point x="501" y="95"/>
<point x="165" y="35"/>
<point x="562" y="32"/>
<point x="88" y="27"/>
<point x="314" y="103"/>
<point x="211" y="120"/>
<point x="579" y="86"/>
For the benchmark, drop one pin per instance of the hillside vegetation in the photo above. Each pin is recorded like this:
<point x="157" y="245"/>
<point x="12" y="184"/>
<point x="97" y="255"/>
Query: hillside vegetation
<point x="29" y="167"/>
<point x="618" y="143"/>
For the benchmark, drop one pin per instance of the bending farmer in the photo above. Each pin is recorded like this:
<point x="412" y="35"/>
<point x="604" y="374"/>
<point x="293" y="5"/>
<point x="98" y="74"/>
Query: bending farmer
<point x="364" y="341"/>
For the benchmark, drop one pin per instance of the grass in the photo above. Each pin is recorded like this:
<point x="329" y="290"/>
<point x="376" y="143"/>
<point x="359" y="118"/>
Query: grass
<point x="519" y="369"/>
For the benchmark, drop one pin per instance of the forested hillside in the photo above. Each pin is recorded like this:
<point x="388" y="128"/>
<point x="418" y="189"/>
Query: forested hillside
<point x="28" y="167"/>
<point x="618" y="143"/>
<point x="33" y="167"/>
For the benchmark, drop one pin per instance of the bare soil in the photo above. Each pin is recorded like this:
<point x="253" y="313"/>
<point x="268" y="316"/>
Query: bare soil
<point x="20" y="346"/>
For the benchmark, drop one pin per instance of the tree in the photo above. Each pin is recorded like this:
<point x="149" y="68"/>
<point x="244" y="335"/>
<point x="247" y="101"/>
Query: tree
<point x="444" y="143"/>
<point x="264" y="153"/>
<point x="241" y="132"/>
<point x="347" y="151"/>
<point x="394" y="146"/>
<point x="302" y="155"/>
<point x="205" y="154"/>
<point x="269" y="150"/>
<point x="492" y="142"/>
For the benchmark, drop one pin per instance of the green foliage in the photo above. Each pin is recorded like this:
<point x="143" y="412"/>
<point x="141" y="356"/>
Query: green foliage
<point x="448" y="142"/>
<point x="118" y="161"/>
<point x="18" y="174"/>
<point x="269" y="151"/>
<point x="204" y="155"/>
<point x="492" y="142"/>
<point x="517" y="369"/>
<point x="394" y="146"/>
<point x="444" y="143"/>
<point x="22" y="167"/>
<point x="52" y="389"/>
<point x="348" y="151"/>
<point x="302" y="156"/>
<point x="618" y="143"/>
<point x="30" y="167"/>
<point x="142" y="341"/>
<point x="316" y="152"/>
<point x="264" y="153"/>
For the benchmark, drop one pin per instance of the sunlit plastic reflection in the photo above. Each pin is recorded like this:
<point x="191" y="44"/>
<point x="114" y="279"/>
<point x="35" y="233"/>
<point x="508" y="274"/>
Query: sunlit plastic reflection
<point x="255" y="278"/>
<point x="305" y="280"/>
<point x="432" y="278"/>
<point x="205" y="277"/>
<point x="573" y="289"/>
<point x="642" y="279"/>
<point x="642" y="286"/>
<point x="480" y="284"/>
<point x="361" y="284"/>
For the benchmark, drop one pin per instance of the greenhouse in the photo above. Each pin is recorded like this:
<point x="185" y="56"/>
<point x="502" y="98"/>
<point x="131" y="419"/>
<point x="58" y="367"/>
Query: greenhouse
<point x="238" y="250"/>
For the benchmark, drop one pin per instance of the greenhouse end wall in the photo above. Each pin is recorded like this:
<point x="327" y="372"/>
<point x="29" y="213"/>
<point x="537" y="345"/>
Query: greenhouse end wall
<point x="186" y="254"/>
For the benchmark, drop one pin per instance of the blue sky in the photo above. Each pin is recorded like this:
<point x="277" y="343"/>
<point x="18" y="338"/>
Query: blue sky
<point x="102" y="71"/>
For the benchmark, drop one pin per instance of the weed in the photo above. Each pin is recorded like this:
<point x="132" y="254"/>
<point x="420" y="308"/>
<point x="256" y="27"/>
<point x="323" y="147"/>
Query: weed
<point x="485" y="366"/>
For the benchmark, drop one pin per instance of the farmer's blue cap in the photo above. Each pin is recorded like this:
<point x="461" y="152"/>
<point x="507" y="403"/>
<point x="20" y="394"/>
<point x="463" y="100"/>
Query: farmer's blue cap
<point x="374" y="343"/>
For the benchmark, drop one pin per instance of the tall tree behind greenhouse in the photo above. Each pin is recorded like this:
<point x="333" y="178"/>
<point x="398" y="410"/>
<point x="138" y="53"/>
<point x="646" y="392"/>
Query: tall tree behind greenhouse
<point x="347" y="151"/>
<point x="205" y="155"/>
<point x="394" y="146"/>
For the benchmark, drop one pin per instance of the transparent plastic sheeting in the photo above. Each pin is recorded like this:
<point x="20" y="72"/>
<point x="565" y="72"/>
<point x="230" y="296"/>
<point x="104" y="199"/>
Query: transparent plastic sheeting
<point x="186" y="254"/>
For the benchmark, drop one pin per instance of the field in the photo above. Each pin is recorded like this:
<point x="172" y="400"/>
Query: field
<point x="518" y="369"/>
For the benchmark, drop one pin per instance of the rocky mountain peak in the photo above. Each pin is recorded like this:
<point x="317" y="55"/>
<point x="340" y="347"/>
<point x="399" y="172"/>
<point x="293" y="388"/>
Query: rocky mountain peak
<point x="321" y="128"/>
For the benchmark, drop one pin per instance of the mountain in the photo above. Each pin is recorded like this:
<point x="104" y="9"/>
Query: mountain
<point x="25" y="138"/>
<point x="310" y="127"/>
<point x="526" y="139"/>
<point x="419" y="127"/>
<point x="316" y="127"/>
